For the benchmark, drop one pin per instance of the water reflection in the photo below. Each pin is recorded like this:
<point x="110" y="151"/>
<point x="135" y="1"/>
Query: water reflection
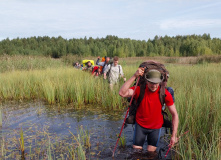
<point x="59" y="121"/>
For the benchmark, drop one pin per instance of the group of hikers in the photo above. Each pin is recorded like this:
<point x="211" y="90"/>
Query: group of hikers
<point x="149" y="96"/>
<point x="109" y="69"/>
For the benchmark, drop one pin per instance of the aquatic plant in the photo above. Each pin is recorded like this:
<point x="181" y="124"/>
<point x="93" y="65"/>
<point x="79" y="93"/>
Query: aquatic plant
<point x="122" y="141"/>
<point x="22" y="144"/>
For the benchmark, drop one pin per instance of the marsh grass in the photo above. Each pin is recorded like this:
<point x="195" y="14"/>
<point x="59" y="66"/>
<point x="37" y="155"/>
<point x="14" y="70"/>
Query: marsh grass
<point x="197" y="93"/>
<point x="122" y="141"/>
<point x="63" y="85"/>
<point x="18" y="62"/>
<point x="43" y="145"/>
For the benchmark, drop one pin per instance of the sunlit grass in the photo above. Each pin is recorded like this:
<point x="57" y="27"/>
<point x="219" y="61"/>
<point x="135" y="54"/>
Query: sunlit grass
<point x="197" y="93"/>
<point x="63" y="85"/>
<point x="18" y="62"/>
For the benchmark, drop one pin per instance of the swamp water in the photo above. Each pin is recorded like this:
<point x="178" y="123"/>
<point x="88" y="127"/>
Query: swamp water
<point x="49" y="132"/>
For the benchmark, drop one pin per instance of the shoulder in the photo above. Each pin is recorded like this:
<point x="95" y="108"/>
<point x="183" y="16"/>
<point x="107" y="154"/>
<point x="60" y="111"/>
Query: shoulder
<point x="168" y="98"/>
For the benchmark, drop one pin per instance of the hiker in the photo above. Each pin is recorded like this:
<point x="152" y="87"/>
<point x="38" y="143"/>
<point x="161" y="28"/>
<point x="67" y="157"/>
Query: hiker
<point x="149" y="118"/>
<point x="88" y="67"/>
<point x="77" y="65"/>
<point x="114" y="71"/>
<point x="103" y="64"/>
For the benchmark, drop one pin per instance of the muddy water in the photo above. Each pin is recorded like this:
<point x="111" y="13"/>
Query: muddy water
<point x="38" y="120"/>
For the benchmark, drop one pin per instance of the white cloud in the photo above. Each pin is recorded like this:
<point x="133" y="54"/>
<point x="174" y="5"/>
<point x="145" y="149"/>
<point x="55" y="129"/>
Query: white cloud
<point x="185" y="24"/>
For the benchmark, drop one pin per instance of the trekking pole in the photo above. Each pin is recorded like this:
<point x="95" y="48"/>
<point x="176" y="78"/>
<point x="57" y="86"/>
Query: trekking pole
<point x="171" y="146"/>
<point x="126" y="116"/>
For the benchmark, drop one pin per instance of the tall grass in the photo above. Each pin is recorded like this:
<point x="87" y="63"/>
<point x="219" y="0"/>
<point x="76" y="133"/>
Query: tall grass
<point x="18" y="62"/>
<point x="62" y="85"/>
<point x="198" y="92"/>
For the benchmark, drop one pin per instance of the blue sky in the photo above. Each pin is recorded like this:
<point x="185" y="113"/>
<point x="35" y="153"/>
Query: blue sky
<point x="134" y="19"/>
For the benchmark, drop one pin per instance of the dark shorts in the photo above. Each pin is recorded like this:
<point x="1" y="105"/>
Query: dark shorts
<point x="140" y="134"/>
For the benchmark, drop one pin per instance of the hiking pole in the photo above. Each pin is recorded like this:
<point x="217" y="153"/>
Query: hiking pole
<point x="171" y="146"/>
<point x="126" y="116"/>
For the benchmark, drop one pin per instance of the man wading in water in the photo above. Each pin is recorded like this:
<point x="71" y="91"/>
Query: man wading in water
<point x="149" y="119"/>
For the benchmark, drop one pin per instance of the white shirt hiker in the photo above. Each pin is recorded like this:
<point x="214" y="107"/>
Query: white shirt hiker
<point x="114" y="73"/>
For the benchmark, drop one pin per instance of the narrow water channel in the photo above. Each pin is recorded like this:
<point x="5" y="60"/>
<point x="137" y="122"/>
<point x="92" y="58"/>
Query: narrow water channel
<point x="38" y="120"/>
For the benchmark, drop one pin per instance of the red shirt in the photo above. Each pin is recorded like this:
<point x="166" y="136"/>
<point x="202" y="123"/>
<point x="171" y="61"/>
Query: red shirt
<point x="149" y="111"/>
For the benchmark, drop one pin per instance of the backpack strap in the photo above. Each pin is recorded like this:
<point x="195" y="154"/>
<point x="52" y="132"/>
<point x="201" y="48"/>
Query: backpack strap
<point x="141" y="95"/>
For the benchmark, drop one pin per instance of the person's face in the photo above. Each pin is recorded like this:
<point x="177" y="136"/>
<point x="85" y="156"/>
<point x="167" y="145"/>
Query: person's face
<point x="77" y="64"/>
<point x="152" y="86"/>
<point x="89" y="64"/>
<point x="115" y="63"/>
<point x="107" y="59"/>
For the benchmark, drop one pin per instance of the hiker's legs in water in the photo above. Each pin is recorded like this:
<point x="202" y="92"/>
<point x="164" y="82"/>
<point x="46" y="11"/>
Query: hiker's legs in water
<point x="153" y="139"/>
<point x="139" y="137"/>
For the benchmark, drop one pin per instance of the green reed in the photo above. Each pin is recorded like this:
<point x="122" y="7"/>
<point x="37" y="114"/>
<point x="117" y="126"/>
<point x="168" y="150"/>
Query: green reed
<point x="18" y="62"/>
<point x="62" y="85"/>
<point x="47" y="146"/>
<point x="197" y="93"/>
<point x="83" y="142"/>
<point x="22" y="144"/>
<point x="122" y="141"/>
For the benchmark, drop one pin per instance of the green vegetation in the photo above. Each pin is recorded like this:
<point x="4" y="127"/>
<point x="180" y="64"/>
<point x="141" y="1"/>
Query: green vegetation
<point x="43" y="145"/>
<point x="63" y="85"/>
<point x="191" y="45"/>
<point x="197" y="92"/>
<point x="122" y="141"/>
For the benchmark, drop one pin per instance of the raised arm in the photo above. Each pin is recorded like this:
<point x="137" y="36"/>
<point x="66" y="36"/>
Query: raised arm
<point x="98" y="59"/>
<point x="125" y="90"/>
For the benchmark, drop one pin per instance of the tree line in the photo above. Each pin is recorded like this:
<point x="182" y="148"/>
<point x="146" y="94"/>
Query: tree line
<point x="190" y="45"/>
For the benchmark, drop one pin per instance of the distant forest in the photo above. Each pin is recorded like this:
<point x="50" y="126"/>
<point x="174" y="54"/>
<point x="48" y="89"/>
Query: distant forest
<point x="182" y="46"/>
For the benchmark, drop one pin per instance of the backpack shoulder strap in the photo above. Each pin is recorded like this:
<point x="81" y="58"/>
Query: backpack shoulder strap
<point x="141" y="95"/>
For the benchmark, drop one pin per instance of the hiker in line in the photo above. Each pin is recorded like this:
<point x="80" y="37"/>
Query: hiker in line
<point x="103" y="65"/>
<point x="88" y="67"/>
<point x="114" y="72"/>
<point x="77" y="65"/>
<point x="149" y="118"/>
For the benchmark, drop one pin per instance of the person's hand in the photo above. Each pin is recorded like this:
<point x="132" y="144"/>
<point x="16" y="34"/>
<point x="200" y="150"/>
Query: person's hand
<point x="173" y="140"/>
<point x="139" y="72"/>
<point x="125" y="79"/>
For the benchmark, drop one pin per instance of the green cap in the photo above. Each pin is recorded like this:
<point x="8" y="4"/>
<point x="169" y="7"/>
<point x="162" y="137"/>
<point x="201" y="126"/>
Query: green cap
<point x="153" y="76"/>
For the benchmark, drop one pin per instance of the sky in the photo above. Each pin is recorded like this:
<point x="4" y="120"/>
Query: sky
<point x="134" y="19"/>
